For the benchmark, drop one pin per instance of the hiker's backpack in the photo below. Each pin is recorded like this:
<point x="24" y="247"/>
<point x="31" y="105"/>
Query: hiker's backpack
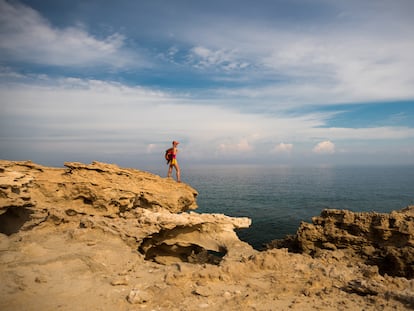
<point x="169" y="155"/>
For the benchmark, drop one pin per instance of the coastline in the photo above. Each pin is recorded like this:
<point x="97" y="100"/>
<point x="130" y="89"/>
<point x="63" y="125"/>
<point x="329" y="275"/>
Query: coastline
<point x="279" y="198"/>
<point x="99" y="233"/>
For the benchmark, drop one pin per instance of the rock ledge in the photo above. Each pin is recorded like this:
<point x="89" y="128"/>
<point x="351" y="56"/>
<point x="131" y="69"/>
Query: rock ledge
<point x="145" y="210"/>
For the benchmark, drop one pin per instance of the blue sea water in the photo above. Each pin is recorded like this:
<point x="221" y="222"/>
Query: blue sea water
<point x="277" y="199"/>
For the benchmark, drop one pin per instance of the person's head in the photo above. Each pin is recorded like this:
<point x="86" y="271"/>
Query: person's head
<point x="175" y="143"/>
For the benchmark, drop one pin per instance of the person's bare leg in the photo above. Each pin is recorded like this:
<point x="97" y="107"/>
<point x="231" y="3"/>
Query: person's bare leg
<point x="178" y="172"/>
<point x="169" y="171"/>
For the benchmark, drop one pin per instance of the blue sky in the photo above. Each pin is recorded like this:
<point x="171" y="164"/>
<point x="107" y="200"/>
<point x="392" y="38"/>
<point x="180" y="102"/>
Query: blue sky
<point x="257" y="82"/>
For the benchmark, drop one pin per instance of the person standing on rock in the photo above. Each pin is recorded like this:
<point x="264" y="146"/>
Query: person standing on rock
<point x="173" y="161"/>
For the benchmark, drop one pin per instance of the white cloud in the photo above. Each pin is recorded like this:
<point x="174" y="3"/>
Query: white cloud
<point x="364" y="134"/>
<point x="361" y="58"/>
<point x="288" y="65"/>
<point x="69" y="110"/>
<point x="324" y="147"/>
<point x="329" y="68"/>
<point x="283" y="148"/>
<point x="234" y="147"/>
<point x="202" y="57"/>
<point x="151" y="148"/>
<point x="26" y="36"/>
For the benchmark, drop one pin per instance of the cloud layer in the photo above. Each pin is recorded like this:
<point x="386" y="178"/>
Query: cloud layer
<point x="114" y="119"/>
<point x="28" y="37"/>
<point x="257" y="85"/>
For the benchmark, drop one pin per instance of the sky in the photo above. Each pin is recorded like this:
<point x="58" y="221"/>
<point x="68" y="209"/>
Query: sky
<point x="281" y="82"/>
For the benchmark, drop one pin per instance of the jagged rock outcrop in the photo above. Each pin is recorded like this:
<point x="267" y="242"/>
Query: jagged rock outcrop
<point x="384" y="240"/>
<point x="147" y="211"/>
<point x="98" y="188"/>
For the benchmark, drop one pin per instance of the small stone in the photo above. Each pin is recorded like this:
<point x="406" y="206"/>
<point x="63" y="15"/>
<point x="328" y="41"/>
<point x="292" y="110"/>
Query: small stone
<point x="122" y="273"/>
<point x="120" y="281"/>
<point x="227" y="295"/>
<point x="137" y="296"/>
<point x="202" y="291"/>
<point x="203" y="305"/>
<point x="40" y="279"/>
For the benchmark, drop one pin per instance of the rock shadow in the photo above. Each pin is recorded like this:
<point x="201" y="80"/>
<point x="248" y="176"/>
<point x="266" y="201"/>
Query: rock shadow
<point x="13" y="219"/>
<point x="170" y="246"/>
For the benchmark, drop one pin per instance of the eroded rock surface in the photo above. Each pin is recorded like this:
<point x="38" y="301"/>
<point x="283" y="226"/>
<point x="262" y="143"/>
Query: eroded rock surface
<point x="92" y="237"/>
<point x="384" y="240"/>
<point x="138" y="206"/>
<point x="97" y="188"/>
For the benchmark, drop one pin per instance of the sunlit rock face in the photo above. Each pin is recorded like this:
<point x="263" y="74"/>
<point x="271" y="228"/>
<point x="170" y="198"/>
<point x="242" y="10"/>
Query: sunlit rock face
<point x="147" y="211"/>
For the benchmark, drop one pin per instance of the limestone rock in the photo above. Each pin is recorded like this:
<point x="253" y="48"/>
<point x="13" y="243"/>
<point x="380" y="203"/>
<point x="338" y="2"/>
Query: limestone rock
<point x="187" y="236"/>
<point x="145" y="210"/>
<point x="76" y="238"/>
<point x="385" y="240"/>
<point x="29" y="190"/>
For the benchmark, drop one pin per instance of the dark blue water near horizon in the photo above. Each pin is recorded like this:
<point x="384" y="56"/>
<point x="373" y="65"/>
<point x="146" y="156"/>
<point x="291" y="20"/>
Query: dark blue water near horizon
<point x="277" y="199"/>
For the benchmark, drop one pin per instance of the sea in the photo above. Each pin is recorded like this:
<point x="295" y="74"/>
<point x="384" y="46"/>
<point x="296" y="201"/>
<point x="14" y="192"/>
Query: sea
<point x="278" y="198"/>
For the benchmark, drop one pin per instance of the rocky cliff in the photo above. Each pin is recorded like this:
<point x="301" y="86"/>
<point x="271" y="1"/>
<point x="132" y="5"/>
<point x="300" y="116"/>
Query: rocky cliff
<point x="101" y="237"/>
<point x="143" y="209"/>
<point x="378" y="239"/>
